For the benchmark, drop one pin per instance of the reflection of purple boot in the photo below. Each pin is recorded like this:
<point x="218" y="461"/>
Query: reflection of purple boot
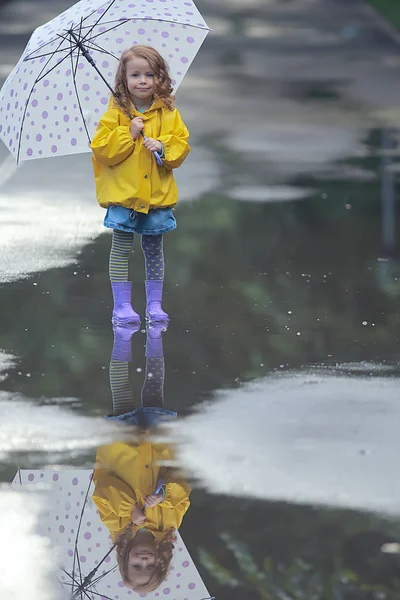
<point x="122" y="349"/>
<point x="154" y="312"/>
<point x="123" y="312"/>
<point x="154" y="345"/>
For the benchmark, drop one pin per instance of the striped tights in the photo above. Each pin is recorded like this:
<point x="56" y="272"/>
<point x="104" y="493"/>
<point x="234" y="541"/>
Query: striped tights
<point x="121" y="248"/>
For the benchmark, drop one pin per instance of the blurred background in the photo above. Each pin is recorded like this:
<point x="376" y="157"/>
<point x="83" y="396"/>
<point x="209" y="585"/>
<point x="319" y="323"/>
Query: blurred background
<point x="285" y="261"/>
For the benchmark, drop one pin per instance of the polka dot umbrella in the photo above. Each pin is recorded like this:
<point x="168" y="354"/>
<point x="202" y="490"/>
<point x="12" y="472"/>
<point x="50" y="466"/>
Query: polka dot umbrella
<point x="88" y="565"/>
<point x="51" y="102"/>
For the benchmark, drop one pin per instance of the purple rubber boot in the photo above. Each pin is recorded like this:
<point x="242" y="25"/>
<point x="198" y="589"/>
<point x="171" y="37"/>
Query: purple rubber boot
<point x="122" y="348"/>
<point x="154" y="344"/>
<point x="154" y="312"/>
<point x="123" y="312"/>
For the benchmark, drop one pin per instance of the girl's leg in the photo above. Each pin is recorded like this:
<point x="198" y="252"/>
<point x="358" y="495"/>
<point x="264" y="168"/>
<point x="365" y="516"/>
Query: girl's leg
<point x="152" y="246"/>
<point x="121" y="248"/>
<point x="121" y="391"/>
<point x="153" y="387"/>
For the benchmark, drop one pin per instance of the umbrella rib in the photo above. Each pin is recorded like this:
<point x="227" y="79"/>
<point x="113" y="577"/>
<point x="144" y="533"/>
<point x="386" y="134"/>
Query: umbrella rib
<point x="26" y="109"/>
<point x="55" y="66"/>
<point x="92" y="46"/>
<point x="99" y="19"/>
<point x="72" y="26"/>
<point x="120" y="23"/>
<point x="102" y="595"/>
<point x="86" y="497"/>
<point x="88" y="136"/>
<point x="103" y="575"/>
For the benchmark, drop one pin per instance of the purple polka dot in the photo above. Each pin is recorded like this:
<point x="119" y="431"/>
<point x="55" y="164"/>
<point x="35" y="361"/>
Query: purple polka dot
<point x="54" y="149"/>
<point x="121" y="584"/>
<point x="59" y="96"/>
<point x="70" y="553"/>
<point x="87" y="536"/>
<point x="104" y="101"/>
<point x="74" y="142"/>
<point x="190" y="40"/>
<point x="185" y="564"/>
<point x="41" y="475"/>
<point x="165" y="34"/>
<point x="35" y="103"/>
<point x="86" y="87"/>
<point x="55" y="477"/>
<point x="108" y="559"/>
<point x="166" y="591"/>
<point x="191" y="586"/>
<point x="83" y="559"/>
<point x="46" y="83"/>
<point x="31" y="476"/>
<point x="45" y="114"/>
<point x="120" y="40"/>
<point x="75" y="481"/>
<point x="39" y="137"/>
<point x="61" y="529"/>
<point x="184" y="59"/>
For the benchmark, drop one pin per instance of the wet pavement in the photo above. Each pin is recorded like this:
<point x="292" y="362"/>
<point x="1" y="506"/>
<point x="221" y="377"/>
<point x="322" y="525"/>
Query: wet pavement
<point x="283" y="287"/>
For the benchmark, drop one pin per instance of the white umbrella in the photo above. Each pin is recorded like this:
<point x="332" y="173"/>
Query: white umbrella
<point x="51" y="102"/>
<point x="83" y="543"/>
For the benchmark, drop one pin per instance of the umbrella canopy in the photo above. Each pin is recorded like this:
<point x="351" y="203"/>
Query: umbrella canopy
<point x="51" y="102"/>
<point x="74" y="527"/>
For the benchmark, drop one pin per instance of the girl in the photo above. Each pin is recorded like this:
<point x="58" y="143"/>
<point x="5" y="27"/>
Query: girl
<point x="137" y="192"/>
<point x="142" y="524"/>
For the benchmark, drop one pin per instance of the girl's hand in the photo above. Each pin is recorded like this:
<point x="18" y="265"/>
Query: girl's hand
<point x="138" y="517"/>
<point x="153" y="145"/>
<point x="154" y="499"/>
<point x="137" y="126"/>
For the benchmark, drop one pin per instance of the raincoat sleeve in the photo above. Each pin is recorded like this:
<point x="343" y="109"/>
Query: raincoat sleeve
<point x="114" y="500"/>
<point x="174" y="138"/>
<point x="174" y="505"/>
<point x="112" y="142"/>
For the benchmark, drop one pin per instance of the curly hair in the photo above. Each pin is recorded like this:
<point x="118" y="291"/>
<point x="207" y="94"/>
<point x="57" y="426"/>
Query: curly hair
<point x="164" y="554"/>
<point x="162" y="79"/>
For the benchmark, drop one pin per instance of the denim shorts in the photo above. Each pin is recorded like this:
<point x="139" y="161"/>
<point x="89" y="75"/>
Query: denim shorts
<point x="145" y="417"/>
<point x="155" y="222"/>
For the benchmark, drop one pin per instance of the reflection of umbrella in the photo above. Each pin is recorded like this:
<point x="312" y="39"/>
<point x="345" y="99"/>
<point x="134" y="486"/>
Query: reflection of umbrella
<point x="51" y="102"/>
<point x="74" y="527"/>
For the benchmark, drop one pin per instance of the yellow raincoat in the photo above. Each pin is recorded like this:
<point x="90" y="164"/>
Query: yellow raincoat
<point x="125" y="474"/>
<point x="126" y="173"/>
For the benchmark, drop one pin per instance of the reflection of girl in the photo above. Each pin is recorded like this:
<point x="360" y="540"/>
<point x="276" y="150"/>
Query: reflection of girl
<point x="125" y="478"/>
<point x="127" y="474"/>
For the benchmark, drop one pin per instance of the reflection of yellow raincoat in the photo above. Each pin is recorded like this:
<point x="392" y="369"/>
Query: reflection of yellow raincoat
<point x="126" y="173"/>
<point x="125" y="474"/>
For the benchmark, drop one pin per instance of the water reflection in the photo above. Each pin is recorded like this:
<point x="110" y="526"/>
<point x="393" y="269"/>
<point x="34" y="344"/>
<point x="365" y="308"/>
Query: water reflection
<point x="116" y="528"/>
<point x="140" y="499"/>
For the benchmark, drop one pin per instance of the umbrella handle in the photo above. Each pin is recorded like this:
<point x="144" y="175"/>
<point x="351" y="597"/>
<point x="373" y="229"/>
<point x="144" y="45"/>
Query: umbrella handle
<point x="158" y="158"/>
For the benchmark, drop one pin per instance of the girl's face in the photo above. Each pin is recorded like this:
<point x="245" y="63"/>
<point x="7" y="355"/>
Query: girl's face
<point x="140" y="79"/>
<point x="142" y="560"/>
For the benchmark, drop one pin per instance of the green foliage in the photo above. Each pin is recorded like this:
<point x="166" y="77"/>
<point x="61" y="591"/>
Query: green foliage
<point x="390" y="9"/>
